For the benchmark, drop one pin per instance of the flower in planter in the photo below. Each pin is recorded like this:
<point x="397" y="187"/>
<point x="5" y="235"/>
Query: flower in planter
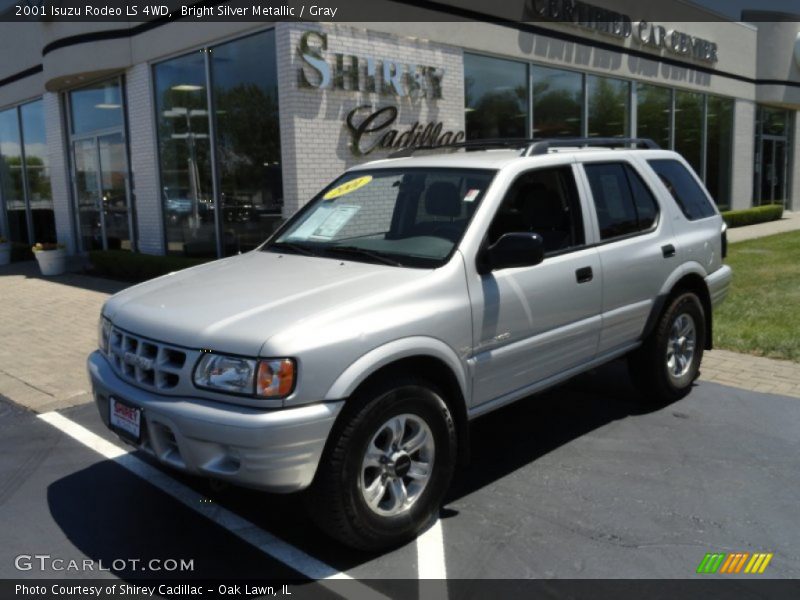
<point x="46" y="246"/>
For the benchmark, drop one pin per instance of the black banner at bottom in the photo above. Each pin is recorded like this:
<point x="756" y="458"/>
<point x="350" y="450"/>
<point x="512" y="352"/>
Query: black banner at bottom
<point x="456" y="589"/>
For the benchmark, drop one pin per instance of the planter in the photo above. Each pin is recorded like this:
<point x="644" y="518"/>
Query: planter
<point x="52" y="262"/>
<point x="5" y="254"/>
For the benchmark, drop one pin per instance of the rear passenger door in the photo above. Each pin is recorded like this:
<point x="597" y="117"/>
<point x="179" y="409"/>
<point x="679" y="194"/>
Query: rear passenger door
<point x="635" y="246"/>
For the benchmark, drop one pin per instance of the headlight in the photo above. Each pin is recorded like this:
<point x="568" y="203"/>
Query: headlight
<point x="103" y="332"/>
<point x="270" y="378"/>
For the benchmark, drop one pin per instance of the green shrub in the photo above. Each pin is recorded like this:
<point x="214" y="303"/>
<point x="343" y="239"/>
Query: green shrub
<point x="751" y="216"/>
<point x="135" y="267"/>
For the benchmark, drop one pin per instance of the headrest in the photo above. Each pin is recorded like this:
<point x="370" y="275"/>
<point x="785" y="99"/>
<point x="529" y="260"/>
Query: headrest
<point x="442" y="200"/>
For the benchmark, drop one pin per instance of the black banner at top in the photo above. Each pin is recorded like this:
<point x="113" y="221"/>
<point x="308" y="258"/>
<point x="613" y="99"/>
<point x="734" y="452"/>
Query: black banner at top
<point x="596" y="14"/>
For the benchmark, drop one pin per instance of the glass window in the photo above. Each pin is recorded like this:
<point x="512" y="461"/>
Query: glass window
<point x="609" y="106"/>
<point x="544" y="201"/>
<point x="37" y="170"/>
<point x="411" y="217"/>
<point x="719" y="149"/>
<point x="185" y="155"/>
<point x="248" y="140"/>
<point x="774" y="121"/>
<point x="623" y="202"/>
<point x="496" y="94"/>
<point x="684" y="188"/>
<point x="557" y="103"/>
<point x="11" y="176"/>
<point x="689" y="128"/>
<point x="653" y="106"/>
<point x="98" y="106"/>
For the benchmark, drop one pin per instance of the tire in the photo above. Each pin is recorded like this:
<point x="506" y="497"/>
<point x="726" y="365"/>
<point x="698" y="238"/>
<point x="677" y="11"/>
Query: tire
<point x="338" y="498"/>
<point x="666" y="365"/>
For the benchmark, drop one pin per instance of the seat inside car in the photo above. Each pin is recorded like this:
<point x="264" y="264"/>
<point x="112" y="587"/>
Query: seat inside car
<point x="443" y="202"/>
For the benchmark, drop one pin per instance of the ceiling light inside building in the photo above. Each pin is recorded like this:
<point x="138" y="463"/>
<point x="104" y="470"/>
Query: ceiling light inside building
<point x="187" y="87"/>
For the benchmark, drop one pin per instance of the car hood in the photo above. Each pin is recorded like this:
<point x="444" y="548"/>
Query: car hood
<point x="236" y="304"/>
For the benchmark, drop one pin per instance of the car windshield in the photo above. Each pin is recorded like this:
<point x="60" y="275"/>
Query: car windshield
<point x="403" y="217"/>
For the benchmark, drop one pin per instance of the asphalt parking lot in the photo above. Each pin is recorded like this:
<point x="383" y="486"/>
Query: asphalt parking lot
<point x="579" y="482"/>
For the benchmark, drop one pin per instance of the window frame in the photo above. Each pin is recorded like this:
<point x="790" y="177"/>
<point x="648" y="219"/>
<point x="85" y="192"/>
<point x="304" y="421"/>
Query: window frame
<point x="590" y="199"/>
<point x="577" y="205"/>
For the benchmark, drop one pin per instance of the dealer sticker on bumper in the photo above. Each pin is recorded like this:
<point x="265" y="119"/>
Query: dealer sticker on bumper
<point x="124" y="417"/>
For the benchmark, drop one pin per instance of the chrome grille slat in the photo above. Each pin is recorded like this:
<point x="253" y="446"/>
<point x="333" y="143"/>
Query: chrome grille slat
<point x="145" y="362"/>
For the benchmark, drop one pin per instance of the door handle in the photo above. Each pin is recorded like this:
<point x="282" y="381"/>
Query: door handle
<point x="584" y="275"/>
<point x="668" y="251"/>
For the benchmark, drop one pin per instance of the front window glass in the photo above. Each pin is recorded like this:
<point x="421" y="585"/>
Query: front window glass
<point x="11" y="176"/>
<point x="406" y="217"/>
<point x="609" y="101"/>
<point x="557" y="103"/>
<point x="496" y="93"/>
<point x="37" y="168"/>
<point x="96" y="107"/>
<point x="689" y="127"/>
<point x="654" y="106"/>
<point x="185" y="155"/>
<point x="719" y="149"/>
<point x="244" y="73"/>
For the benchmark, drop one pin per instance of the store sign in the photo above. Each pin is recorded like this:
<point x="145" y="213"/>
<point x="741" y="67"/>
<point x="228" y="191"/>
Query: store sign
<point x="614" y="24"/>
<point x="375" y="130"/>
<point x="364" y="73"/>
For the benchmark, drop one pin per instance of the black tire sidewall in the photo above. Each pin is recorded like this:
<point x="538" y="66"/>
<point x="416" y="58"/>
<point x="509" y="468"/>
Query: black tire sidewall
<point x="689" y="304"/>
<point x="421" y="401"/>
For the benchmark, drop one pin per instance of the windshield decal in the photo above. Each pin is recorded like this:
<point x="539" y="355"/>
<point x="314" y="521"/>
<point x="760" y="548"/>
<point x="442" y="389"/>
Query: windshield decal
<point x="346" y="188"/>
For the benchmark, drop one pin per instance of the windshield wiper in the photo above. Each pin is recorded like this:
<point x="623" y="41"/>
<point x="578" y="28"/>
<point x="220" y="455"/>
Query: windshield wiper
<point x="296" y="248"/>
<point x="364" y="252"/>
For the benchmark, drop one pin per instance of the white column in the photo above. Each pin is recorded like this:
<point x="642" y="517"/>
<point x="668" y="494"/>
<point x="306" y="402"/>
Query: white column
<point x="57" y="150"/>
<point x="144" y="159"/>
<point x="743" y="167"/>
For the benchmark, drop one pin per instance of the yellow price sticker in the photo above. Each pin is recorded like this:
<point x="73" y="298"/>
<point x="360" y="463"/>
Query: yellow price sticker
<point x="347" y="188"/>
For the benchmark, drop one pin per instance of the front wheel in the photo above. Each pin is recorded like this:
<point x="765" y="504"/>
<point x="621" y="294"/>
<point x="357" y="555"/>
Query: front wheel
<point x="385" y="472"/>
<point x="666" y="365"/>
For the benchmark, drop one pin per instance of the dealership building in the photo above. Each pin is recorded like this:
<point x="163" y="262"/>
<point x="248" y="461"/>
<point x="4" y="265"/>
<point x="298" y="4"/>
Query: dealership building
<point x="196" y="138"/>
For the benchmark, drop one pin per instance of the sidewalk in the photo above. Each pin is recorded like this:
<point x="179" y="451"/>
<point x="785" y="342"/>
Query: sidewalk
<point x="789" y="222"/>
<point x="47" y="329"/>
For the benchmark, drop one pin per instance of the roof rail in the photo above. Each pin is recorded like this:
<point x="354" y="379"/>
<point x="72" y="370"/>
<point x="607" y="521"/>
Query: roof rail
<point x="539" y="147"/>
<point x="532" y="146"/>
<point x="483" y="144"/>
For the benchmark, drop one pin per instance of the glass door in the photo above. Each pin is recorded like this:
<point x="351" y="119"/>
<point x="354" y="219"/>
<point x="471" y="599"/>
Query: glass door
<point x="87" y="195"/>
<point x="114" y="191"/>
<point x="101" y="191"/>
<point x="773" y="170"/>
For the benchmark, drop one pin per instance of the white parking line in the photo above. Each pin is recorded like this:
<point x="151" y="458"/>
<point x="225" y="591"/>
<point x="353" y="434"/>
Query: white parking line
<point x="242" y="528"/>
<point x="430" y="553"/>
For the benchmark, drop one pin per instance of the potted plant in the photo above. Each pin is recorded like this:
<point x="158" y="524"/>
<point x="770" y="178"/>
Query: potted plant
<point x="52" y="258"/>
<point x="5" y="251"/>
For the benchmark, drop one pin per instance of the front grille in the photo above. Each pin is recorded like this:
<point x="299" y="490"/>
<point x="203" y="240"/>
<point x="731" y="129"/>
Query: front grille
<point x="145" y="362"/>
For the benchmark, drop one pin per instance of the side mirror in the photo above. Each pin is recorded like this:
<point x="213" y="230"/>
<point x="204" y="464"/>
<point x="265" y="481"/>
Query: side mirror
<point x="512" y="250"/>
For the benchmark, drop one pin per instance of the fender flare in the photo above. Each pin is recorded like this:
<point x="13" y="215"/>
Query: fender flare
<point x="416" y="346"/>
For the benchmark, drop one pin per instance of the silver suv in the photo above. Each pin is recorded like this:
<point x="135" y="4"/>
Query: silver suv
<point x="347" y="355"/>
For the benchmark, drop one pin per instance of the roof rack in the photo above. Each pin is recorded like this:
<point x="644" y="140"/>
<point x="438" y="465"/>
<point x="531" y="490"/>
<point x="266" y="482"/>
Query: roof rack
<point x="534" y="146"/>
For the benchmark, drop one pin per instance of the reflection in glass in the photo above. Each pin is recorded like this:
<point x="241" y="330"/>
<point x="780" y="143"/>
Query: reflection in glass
<point x="774" y="121"/>
<point x="720" y="149"/>
<point x="248" y="140"/>
<point x="689" y="127"/>
<point x="87" y="192"/>
<point x="653" y="106"/>
<point x="609" y="106"/>
<point x="184" y="155"/>
<point x="11" y="176"/>
<point x="557" y="103"/>
<point x="96" y="107"/>
<point x="496" y="94"/>
<point x="112" y="191"/>
<point x="37" y="171"/>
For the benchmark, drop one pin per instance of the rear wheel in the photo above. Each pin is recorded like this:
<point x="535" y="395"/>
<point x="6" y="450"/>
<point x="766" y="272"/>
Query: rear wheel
<point x="666" y="365"/>
<point x="384" y="474"/>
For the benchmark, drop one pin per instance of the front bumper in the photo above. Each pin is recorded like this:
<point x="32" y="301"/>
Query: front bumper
<point x="275" y="450"/>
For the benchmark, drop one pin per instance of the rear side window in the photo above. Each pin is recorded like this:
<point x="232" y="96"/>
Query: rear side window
<point x="690" y="197"/>
<point x="624" y="203"/>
